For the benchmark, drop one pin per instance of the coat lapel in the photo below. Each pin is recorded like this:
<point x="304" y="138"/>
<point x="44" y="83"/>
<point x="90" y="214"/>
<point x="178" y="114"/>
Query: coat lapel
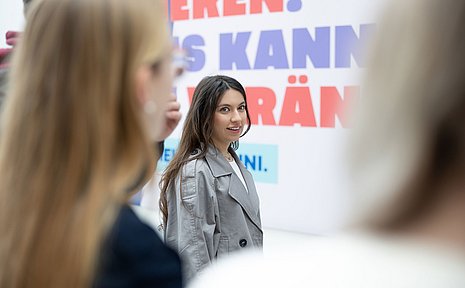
<point x="247" y="200"/>
<point x="253" y="196"/>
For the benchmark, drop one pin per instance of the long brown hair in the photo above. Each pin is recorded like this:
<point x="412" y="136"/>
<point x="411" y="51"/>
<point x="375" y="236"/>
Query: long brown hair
<point x="73" y="140"/>
<point x="198" y="128"/>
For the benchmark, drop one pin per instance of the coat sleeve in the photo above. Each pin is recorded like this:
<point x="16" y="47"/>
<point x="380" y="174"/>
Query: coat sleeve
<point x="193" y="219"/>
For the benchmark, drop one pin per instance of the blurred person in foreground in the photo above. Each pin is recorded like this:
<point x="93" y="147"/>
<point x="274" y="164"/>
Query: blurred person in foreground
<point x="88" y="98"/>
<point x="408" y="169"/>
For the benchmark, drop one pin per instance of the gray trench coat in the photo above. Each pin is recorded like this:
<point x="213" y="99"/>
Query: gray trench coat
<point x="210" y="213"/>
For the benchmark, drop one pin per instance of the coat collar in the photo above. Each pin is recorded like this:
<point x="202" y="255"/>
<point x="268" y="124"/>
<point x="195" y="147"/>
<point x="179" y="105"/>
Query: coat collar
<point x="219" y="167"/>
<point x="218" y="164"/>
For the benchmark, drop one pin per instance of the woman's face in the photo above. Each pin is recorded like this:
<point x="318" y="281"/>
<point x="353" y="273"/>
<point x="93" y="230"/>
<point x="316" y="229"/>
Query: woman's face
<point x="159" y="90"/>
<point x="229" y="119"/>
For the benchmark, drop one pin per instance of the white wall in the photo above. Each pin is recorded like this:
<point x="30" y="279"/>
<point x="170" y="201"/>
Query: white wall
<point x="11" y="18"/>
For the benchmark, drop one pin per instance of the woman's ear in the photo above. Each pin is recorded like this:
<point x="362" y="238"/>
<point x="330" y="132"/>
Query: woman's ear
<point x="143" y="78"/>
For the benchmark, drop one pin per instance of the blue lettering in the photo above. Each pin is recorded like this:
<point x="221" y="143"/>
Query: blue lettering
<point x="168" y="154"/>
<point x="191" y="44"/>
<point x="234" y="51"/>
<point x="248" y="162"/>
<point x="348" y="44"/>
<point x="316" y="49"/>
<point x="271" y="51"/>
<point x="252" y="162"/>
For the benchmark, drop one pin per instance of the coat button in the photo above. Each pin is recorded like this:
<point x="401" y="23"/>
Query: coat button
<point x="242" y="243"/>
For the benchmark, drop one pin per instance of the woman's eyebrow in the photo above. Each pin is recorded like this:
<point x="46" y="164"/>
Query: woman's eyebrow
<point x="228" y="105"/>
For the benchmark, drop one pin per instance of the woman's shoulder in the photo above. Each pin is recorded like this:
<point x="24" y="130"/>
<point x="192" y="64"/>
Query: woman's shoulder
<point x="131" y="238"/>
<point x="195" y="164"/>
<point x="134" y="253"/>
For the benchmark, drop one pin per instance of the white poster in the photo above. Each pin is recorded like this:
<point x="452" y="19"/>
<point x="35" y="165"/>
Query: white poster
<point x="300" y="63"/>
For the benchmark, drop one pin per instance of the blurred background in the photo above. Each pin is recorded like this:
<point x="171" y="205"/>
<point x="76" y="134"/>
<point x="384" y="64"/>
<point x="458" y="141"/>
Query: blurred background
<point x="300" y="62"/>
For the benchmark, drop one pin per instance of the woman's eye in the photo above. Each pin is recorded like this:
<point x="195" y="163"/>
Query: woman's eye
<point x="224" y="109"/>
<point x="241" y="108"/>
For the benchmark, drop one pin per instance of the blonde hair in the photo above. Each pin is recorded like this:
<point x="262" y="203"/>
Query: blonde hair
<point x="410" y="133"/>
<point x="73" y="142"/>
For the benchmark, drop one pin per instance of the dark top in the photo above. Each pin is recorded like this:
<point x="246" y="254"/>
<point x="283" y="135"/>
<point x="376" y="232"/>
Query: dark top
<point x="135" y="256"/>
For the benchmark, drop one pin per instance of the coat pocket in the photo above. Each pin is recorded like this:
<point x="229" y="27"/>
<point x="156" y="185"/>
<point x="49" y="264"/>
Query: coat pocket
<point x="188" y="193"/>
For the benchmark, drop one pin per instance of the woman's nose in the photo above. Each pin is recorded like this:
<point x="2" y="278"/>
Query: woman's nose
<point x="235" y="117"/>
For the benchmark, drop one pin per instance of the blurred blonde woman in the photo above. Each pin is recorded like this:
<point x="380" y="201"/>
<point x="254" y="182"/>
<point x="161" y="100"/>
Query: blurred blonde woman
<point x="90" y="85"/>
<point x="408" y="168"/>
